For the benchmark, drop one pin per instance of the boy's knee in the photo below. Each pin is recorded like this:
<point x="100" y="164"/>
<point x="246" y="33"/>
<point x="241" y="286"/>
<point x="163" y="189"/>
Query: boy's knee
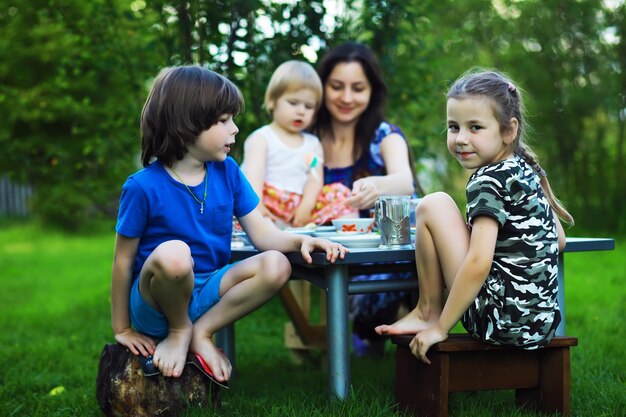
<point x="276" y="268"/>
<point x="173" y="259"/>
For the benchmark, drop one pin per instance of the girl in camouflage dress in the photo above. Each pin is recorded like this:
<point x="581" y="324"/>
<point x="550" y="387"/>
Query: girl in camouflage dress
<point x="498" y="269"/>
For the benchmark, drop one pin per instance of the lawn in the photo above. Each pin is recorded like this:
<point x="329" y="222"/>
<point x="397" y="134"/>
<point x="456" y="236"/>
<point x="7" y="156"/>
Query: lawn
<point x="55" y="320"/>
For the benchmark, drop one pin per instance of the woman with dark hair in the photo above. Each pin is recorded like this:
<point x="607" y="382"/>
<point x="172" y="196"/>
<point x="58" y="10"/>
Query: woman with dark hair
<point x="361" y="150"/>
<point x="366" y="153"/>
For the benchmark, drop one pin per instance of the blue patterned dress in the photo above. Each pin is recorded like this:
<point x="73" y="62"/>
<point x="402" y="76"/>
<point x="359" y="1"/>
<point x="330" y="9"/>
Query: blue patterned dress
<point x="369" y="310"/>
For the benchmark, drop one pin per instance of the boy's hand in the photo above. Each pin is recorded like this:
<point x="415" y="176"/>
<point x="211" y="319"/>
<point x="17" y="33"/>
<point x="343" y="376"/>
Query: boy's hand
<point x="424" y="340"/>
<point x="138" y="343"/>
<point x="333" y="250"/>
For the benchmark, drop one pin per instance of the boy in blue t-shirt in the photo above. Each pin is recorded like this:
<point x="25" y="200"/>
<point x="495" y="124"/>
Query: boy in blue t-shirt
<point x="172" y="286"/>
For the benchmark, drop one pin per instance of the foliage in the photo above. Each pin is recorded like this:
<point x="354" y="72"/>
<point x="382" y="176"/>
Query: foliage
<point x="72" y="82"/>
<point x="243" y="39"/>
<point x="71" y="89"/>
<point x="569" y="59"/>
<point x="574" y="76"/>
<point x="420" y="55"/>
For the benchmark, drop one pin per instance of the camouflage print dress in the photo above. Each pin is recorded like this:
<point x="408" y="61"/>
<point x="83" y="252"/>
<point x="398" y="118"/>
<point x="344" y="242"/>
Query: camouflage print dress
<point x="517" y="304"/>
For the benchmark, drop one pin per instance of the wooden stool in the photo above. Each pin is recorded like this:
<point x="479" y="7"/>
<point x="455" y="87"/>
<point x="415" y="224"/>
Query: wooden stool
<point x="540" y="377"/>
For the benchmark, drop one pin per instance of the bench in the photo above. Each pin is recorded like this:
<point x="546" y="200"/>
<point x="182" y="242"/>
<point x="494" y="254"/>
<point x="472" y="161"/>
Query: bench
<point x="540" y="377"/>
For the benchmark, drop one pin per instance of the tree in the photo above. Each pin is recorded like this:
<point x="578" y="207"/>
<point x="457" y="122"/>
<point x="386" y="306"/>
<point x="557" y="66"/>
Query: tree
<point x="244" y="40"/>
<point x="570" y="59"/>
<point x="73" y="77"/>
<point x="574" y="79"/>
<point x="422" y="49"/>
<point x="71" y="89"/>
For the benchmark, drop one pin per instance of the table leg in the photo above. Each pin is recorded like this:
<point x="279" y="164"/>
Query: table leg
<point x="338" y="331"/>
<point x="560" y="331"/>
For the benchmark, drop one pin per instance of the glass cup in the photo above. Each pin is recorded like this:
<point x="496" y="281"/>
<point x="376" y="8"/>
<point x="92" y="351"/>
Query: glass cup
<point x="392" y="214"/>
<point x="414" y="203"/>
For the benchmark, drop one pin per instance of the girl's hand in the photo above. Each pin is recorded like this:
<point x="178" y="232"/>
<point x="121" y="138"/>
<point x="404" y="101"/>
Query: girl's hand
<point x="424" y="340"/>
<point x="136" y="342"/>
<point x="364" y="194"/>
<point x="301" y="217"/>
<point x="333" y="250"/>
<point x="265" y="212"/>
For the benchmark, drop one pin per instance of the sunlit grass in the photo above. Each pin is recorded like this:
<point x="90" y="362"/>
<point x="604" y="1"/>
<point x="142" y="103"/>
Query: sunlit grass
<point x="55" y="320"/>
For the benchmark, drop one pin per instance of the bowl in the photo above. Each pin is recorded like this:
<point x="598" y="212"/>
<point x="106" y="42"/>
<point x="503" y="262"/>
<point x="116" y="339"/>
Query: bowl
<point x="353" y="226"/>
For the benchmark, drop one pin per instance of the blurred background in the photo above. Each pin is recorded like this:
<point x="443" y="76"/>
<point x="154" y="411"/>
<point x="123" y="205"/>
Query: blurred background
<point x="74" y="76"/>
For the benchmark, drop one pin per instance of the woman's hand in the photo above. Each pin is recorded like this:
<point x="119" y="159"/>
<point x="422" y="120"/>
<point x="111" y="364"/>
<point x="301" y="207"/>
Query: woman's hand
<point x="364" y="194"/>
<point x="424" y="340"/>
<point x="333" y="250"/>
<point x="138" y="343"/>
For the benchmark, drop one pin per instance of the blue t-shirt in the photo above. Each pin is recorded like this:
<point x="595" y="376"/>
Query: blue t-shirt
<point x="157" y="208"/>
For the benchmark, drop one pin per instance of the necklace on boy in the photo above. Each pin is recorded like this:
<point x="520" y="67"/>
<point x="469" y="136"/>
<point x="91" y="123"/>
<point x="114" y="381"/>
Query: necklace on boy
<point x="191" y="192"/>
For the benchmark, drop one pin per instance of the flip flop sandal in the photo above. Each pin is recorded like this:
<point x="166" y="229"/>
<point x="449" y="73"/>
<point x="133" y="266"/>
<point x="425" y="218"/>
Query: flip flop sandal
<point x="197" y="361"/>
<point x="149" y="369"/>
<point x="147" y="366"/>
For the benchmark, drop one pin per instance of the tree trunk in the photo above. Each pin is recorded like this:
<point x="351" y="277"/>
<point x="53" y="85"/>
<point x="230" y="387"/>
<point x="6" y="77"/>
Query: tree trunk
<point x="185" y="28"/>
<point x="123" y="390"/>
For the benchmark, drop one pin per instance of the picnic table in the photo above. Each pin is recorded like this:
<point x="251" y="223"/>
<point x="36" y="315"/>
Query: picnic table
<point x="334" y="279"/>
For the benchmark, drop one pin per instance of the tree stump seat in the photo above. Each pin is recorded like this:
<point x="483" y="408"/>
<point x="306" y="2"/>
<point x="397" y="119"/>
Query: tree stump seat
<point x="122" y="389"/>
<point x="540" y="377"/>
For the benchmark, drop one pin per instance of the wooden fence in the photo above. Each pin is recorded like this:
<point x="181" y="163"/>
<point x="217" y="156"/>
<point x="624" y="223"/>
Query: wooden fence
<point x="14" y="198"/>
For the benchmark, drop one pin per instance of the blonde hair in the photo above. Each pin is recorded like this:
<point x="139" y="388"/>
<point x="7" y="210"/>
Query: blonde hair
<point x="507" y="104"/>
<point x="292" y="76"/>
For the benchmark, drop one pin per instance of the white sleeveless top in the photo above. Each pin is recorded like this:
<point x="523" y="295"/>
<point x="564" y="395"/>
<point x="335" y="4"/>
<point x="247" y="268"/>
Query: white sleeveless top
<point x="287" y="168"/>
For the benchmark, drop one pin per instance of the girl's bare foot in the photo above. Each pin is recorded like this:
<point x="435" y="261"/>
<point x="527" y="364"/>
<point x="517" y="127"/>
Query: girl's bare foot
<point x="170" y="355"/>
<point x="412" y="323"/>
<point x="217" y="361"/>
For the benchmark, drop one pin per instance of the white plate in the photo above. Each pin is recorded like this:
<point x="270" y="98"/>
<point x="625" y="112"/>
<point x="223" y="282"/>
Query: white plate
<point x="368" y="240"/>
<point x="326" y="235"/>
<point x="300" y="230"/>
<point x="310" y="230"/>
<point x="331" y="234"/>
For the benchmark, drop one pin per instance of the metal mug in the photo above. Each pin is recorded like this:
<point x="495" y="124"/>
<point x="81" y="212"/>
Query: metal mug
<point x="392" y="214"/>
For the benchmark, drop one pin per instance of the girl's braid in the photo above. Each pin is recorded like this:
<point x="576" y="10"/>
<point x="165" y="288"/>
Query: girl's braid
<point x="528" y="157"/>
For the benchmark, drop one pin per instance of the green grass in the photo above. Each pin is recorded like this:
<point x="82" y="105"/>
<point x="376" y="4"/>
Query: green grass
<point x="55" y="320"/>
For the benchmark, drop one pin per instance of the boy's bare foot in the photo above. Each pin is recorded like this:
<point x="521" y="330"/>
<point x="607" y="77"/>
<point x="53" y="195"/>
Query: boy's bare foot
<point x="217" y="361"/>
<point x="170" y="355"/>
<point x="412" y="323"/>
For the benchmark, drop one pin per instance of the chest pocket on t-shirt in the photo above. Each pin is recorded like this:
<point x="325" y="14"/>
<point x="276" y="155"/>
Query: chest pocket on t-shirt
<point x="221" y="219"/>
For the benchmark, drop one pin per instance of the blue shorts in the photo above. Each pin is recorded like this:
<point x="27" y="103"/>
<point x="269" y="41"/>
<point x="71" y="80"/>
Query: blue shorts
<point x="147" y="320"/>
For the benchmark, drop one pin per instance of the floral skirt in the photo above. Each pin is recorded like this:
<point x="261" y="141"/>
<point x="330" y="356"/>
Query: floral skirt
<point x="330" y="203"/>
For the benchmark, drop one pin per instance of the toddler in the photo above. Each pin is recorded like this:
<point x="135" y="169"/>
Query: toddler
<point x="283" y="162"/>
